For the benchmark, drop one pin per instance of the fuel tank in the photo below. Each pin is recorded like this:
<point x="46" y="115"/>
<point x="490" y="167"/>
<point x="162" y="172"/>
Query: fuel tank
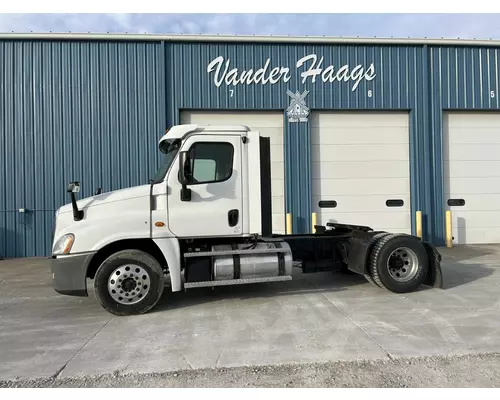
<point x="256" y="265"/>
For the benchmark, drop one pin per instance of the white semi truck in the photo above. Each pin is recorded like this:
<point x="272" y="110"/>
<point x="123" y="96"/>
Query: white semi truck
<point x="205" y="221"/>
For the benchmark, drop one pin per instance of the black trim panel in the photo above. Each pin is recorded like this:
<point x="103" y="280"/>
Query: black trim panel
<point x="236" y="262"/>
<point x="265" y="187"/>
<point x="70" y="274"/>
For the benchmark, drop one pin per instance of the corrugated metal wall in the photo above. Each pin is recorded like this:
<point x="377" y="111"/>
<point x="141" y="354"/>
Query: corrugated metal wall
<point x="73" y="111"/>
<point x="94" y="111"/>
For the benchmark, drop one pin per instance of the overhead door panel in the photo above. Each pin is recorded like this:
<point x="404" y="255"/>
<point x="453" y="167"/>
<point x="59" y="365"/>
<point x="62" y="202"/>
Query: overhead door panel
<point x="471" y="147"/>
<point x="269" y="124"/>
<point x="361" y="162"/>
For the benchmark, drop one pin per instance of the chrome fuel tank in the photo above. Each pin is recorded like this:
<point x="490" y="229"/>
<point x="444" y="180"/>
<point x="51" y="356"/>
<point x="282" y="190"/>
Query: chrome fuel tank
<point x="254" y="264"/>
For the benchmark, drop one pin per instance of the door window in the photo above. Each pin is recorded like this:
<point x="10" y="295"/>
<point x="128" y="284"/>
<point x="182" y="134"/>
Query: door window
<point x="211" y="162"/>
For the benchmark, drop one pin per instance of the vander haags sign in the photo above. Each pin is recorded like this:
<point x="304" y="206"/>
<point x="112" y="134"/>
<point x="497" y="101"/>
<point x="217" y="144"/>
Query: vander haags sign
<point x="311" y="69"/>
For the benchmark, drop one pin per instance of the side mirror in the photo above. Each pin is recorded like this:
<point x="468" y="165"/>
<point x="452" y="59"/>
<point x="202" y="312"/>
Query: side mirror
<point x="184" y="174"/>
<point x="74" y="187"/>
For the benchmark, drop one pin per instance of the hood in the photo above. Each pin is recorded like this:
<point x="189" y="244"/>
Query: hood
<point x="109" y="197"/>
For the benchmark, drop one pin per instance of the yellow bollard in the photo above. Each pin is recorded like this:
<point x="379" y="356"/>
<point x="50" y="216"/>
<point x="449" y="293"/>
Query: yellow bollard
<point x="449" y="238"/>
<point x="289" y="224"/>
<point x="314" y="219"/>
<point x="418" y="221"/>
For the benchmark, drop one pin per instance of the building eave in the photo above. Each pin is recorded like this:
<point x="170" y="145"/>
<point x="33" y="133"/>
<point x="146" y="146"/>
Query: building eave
<point x="249" y="39"/>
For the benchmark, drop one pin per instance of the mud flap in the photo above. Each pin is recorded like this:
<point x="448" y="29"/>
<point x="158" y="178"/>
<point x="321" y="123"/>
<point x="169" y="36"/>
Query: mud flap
<point x="435" y="274"/>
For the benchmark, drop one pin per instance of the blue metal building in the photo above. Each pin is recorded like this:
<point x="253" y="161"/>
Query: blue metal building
<point x="356" y="122"/>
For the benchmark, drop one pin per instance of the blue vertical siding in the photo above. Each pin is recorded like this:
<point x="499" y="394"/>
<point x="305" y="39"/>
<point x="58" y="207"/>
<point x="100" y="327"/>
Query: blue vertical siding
<point x="298" y="186"/>
<point x="94" y="110"/>
<point x="87" y="111"/>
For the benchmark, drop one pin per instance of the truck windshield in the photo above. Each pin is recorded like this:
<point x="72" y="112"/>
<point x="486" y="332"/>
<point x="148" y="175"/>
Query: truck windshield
<point x="170" y="149"/>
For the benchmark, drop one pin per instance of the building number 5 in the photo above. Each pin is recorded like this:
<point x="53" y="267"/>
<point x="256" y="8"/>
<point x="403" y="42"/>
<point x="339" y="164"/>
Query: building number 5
<point x="492" y="94"/>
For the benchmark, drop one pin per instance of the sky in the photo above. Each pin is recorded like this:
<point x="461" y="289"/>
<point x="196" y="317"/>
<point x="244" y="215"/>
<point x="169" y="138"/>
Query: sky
<point x="469" y="26"/>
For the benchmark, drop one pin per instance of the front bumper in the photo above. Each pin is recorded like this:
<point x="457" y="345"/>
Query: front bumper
<point x="69" y="273"/>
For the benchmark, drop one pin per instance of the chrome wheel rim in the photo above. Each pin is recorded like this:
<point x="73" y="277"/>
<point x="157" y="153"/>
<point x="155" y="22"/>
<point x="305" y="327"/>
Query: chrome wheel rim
<point x="402" y="264"/>
<point x="129" y="284"/>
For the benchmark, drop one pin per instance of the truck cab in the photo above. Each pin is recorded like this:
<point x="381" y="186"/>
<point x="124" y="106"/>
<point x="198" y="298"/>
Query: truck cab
<point x="205" y="220"/>
<point x="212" y="191"/>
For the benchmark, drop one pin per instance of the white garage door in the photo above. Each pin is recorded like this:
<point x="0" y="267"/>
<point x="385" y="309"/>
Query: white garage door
<point x="269" y="124"/>
<point x="471" y="147"/>
<point x="361" y="169"/>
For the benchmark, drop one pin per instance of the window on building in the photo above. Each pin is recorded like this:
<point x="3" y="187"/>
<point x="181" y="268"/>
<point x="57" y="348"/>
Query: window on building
<point x="211" y="162"/>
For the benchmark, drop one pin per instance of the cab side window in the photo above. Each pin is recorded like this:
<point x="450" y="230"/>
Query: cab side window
<point x="211" y="162"/>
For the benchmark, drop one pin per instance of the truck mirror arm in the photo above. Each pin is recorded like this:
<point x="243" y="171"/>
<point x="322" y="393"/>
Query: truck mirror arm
<point x="74" y="187"/>
<point x="183" y="163"/>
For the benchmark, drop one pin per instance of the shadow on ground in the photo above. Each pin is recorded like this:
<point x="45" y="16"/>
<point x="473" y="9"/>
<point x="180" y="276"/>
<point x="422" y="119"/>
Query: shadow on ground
<point x="459" y="275"/>
<point x="458" y="270"/>
<point x="463" y="254"/>
<point x="463" y="265"/>
<point x="317" y="283"/>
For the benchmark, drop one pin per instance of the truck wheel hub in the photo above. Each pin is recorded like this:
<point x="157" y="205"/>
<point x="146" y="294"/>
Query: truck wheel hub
<point x="403" y="264"/>
<point x="128" y="284"/>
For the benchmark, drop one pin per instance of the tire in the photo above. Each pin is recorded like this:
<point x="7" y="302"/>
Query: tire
<point x="406" y="270"/>
<point x="370" y="279"/>
<point x="142" y="275"/>
<point x="373" y="242"/>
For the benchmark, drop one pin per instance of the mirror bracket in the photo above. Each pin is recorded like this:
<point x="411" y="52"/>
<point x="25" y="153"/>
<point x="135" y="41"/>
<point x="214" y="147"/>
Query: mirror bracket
<point x="183" y="163"/>
<point x="74" y="187"/>
<point x="185" y="193"/>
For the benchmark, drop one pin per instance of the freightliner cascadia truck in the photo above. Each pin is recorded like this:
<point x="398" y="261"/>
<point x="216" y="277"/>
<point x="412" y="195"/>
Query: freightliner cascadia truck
<point x="205" y="220"/>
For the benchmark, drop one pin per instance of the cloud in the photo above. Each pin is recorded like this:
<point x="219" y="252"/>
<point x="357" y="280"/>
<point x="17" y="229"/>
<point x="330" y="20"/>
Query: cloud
<point x="364" y="25"/>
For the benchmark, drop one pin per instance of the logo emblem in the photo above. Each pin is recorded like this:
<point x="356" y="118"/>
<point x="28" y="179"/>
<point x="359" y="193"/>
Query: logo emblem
<point x="297" y="110"/>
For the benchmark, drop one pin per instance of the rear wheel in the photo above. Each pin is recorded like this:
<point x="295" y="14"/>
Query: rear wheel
<point x="373" y="242"/>
<point x="129" y="282"/>
<point x="398" y="263"/>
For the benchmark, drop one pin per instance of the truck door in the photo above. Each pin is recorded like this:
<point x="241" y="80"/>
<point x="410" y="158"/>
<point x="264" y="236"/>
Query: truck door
<point x="215" y="206"/>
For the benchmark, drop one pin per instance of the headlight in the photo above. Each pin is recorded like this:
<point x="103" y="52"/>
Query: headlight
<point x="64" y="244"/>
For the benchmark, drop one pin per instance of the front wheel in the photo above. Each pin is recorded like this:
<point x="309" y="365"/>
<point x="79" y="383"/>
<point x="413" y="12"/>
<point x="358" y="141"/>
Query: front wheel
<point x="129" y="282"/>
<point x="398" y="263"/>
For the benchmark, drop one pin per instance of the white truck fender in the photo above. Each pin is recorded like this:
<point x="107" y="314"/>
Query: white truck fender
<point x="172" y="253"/>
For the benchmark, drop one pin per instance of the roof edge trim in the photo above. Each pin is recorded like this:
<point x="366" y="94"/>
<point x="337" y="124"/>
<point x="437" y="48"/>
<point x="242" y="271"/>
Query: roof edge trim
<point x="247" y="39"/>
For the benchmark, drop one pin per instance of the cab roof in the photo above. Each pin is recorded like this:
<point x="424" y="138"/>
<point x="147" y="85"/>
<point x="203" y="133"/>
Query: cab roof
<point x="179" y="131"/>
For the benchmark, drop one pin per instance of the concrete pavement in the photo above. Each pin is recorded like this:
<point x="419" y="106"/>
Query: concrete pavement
<point x="317" y="317"/>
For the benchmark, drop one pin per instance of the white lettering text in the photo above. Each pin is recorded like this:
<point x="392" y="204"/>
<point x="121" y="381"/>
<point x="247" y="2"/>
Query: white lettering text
<point x="311" y="71"/>
<point x="235" y="76"/>
<point x="223" y="73"/>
